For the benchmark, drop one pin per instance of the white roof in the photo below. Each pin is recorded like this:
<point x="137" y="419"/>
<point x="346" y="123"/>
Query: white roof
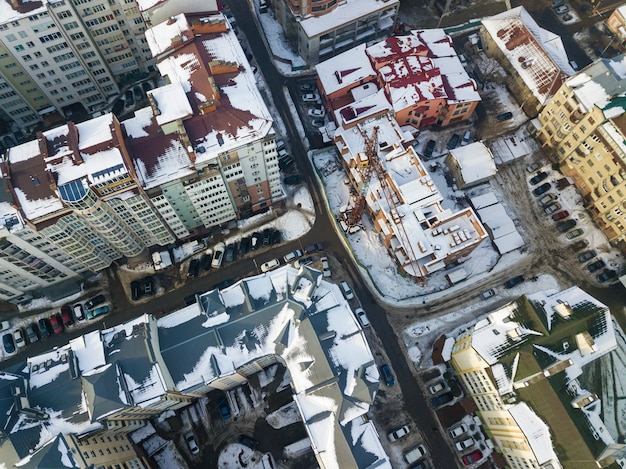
<point x="172" y="103"/>
<point x="160" y="36"/>
<point x="536" y="432"/>
<point x="509" y="242"/>
<point x="24" y="152"/>
<point x="475" y="162"/>
<point x="95" y="131"/>
<point x="497" y="219"/>
<point x="342" y="70"/>
<point x="484" y="200"/>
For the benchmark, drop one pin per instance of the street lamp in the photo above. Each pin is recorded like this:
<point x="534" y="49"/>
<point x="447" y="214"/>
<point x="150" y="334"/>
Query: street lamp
<point x="255" y="265"/>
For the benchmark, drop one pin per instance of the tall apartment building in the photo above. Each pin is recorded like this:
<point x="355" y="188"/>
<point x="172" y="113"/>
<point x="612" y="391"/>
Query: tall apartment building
<point x="202" y="154"/>
<point x="583" y="127"/>
<point x="58" y="57"/>
<point x="530" y="369"/>
<point x="320" y="29"/>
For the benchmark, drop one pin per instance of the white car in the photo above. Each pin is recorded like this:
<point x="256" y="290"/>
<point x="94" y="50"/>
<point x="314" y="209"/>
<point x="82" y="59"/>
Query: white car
<point x="293" y="255"/>
<point x="191" y="442"/>
<point x="18" y="336"/>
<point x="218" y="255"/>
<point x="464" y="444"/>
<point x="435" y="388"/>
<point x="362" y="317"/>
<point x="310" y="97"/>
<point x="398" y="433"/>
<point x="316" y="112"/>
<point x="347" y="291"/>
<point x="457" y="431"/>
<point x="270" y="265"/>
<point x="415" y="454"/>
<point x="326" y="267"/>
<point x="562" y="9"/>
<point x="488" y="293"/>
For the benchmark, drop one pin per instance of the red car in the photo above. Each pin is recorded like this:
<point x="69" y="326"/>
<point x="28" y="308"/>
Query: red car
<point x="55" y="322"/>
<point x="472" y="457"/>
<point x="66" y="316"/>
<point x="560" y="215"/>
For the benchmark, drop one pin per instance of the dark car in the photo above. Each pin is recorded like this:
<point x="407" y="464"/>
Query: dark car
<point x="387" y="375"/>
<point x="223" y="284"/>
<point x="313" y="247"/>
<point x="66" y="316"/>
<point x="95" y="301"/>
<point x="277" y="237"/>
<point x="537" y="178"/>
<point x="566" y="225"/>
<point x="542" y="189"/>
<point x="129" y="98"/>
<point x="441" y="399"/>
<point x="303" y="261"/>
<point x="135" y="290"/>
<point x="454" y="141"/>
<point x="267" y="236"/>
<point x="56" y="323"/>
<point x="229" y="255"/>
<point x="505" y="116"/>
<point x="560" y="215"/>
<point x="148" y="285"/>
<point x="244" y="246"/>
<point x="205" y="262"/>
<point x="224" y="410"/>
<point x="285" y="162"/>
<point x="430" y="148"/>
<point x="31" y="333"/>
<point x="44" y="328"/>
<point x="307" y="87"/>
<point x="249" y="442"/>
<point x="147" y="86"/>
<point x="606" y="275"/>
<point x="510" y="283"/>
<point x="587" y="255"/>
<point x="293" y="180"/>
<point x="255" y="240"/>
<point x="194" y="268"/>
<point x="578" y="245"/>
<point x="8" y="343"/>
<point x="472" y="457"/>
<point x="597" y="265"/>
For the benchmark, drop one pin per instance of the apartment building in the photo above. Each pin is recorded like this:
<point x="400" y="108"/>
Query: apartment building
<point x="105" y="384"/>
<point x="157" y="12"/>
<point x="420" y="75"/>
<point x="533" y="58"/>
<point x="58" y="57"/>
<point x="321" y="29"/>
<point x="583" y="128"/>
<point x="616" y="23"/>
<point x="526" y="366"/>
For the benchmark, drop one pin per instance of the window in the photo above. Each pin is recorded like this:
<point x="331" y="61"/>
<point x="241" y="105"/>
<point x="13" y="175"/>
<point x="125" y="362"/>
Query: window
<point x="11" y="37"/>
<point x="19" y="48"/>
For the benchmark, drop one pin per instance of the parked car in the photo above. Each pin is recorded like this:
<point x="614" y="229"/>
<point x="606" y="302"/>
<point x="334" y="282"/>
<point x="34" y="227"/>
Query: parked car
<point x="318" y="122"/>
<point x="129" y="100"/>
<point x="95" y="301"/>
<point x="566" y="225"/>
<point x="574" y="233"/>
<point x="362" y="317"/>
<point x="292" y="255"/>
<point x="557" y="3"/>
<point x="488" y="293"/>
<point x="285" y="163"/>
<point x="66" y="316"/>
<point x="547" y="199"/>
<point x="347" y="291"/>
<point x="398" y="433"/>
<point x="276" y="237"/>
<point x="607" y="274"/>
<point x="472" y="457"/>
<point x="247" y="441"/>
<point x="303" y="261"/>
<point x="586" y="255"/>
<point x="429" y="148"/>
<point x="224" y="410"/>
<point x="218" y="255"/>
<point x="551" y="208"/>
<point x="8" y="344"/>
<point x="307" y="87"/>
<point x="510" y="283"/>
<point x="293" y="180"/>
<point x="562" y="9"/>
<point x="542" y="189"/>
<point x="18" y="337"/>
<point x="464" y="444"/>
<point x="453" y="142"/>
<point x="316" y="112"/>
<point x="437" y="387"/>
<point x="280" y="144"/>
<point x="560" y="215"/>
<point x="148" y="285"/>
<point x="537" y="178"/>
<point x="532" y="168"/>
<point x="282" y="154"/>
<point x="44" y="328"/>
<point x="270" y="265"/>
<point x="441" y="399"/>
<point x="94" y="313"/>
<point x="313" y="248"/>
<point x="5" y="326"/>
<point x="191" y="443"/>
<point x="504" y="116"/>
<point x="326" y="267"/>
<point x="387" y="375"/>
<point x="244" y="246"/>
<point x="267" y="236"/>
<point x="229" y="255"/>
<point x="135" y="290"/>
<point x="310" y="97"/>
<point x="580" y="244"/>
<point x="597" y="265"/>
<point x="223" y="284"/>
<point x="466" y="138"/>
<point x="57" y="323"/>
<point x="31" y="333"/>
<point x="457" y="431"/>
<point x="415" y="454"/>
<point x="205" y="260"/>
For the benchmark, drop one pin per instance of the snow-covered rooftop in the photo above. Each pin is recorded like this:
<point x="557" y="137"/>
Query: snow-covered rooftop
<point x="536" y="432"/>
<point x="537" y="54"/>
<point x="161" y="36"/>
<point x="475" y="162"/>
<point x="343" y="70"/>
<point x="599" y="83"/>
<point x="33" y="7"/>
